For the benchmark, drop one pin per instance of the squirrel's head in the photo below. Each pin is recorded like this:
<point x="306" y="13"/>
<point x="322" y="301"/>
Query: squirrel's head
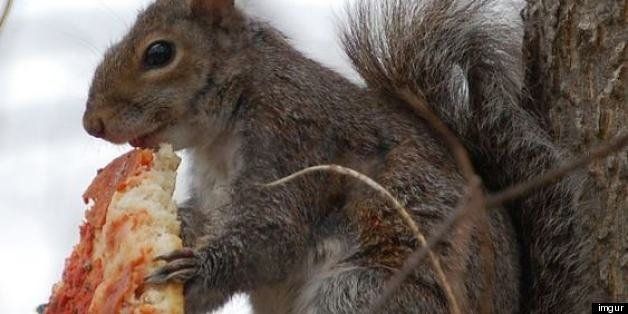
<point x="156" y="83"/>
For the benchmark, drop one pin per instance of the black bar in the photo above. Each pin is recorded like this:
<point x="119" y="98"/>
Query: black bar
<point x="609" y="308"/>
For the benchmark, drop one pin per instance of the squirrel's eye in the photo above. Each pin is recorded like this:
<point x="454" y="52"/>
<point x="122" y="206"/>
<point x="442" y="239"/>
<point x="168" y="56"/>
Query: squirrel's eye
<point x="159" y="54"/>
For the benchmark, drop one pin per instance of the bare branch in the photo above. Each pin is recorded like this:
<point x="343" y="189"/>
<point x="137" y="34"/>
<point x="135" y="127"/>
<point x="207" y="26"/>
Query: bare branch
<point x="459" y="151"/>
<point x="403" y="212"/>
<point x="551" y="176"/>
<point x="472" y="202"/>
<point x="5" y="12"/>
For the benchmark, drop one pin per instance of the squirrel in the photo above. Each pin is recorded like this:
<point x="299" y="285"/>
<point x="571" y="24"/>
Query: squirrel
<point x="249" y="109"/>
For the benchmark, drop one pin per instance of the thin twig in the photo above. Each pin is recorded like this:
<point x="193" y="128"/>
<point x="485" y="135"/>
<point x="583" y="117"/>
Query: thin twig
<point x="522" y="189"/>
<point x="473" y="201"/>
<point x="468" y="204"/>
<point x="403" y="212"/>
<point x="458" y="150"/>
<point x="5" y="12"/>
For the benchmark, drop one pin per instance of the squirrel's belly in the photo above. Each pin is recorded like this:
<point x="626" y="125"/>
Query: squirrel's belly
<point x="213" y="170"/>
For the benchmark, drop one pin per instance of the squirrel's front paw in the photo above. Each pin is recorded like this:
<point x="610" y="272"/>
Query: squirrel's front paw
<point x="182" y="265"/>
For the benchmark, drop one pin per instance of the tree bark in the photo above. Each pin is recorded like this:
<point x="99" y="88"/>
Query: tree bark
<point x="577" y="67"/>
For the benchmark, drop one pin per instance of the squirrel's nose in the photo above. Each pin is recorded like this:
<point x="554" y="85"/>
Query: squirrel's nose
<point x="94" y="125"/>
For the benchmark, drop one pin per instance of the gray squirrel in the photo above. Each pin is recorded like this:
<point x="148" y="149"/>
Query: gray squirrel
<point x="250" y="109"/>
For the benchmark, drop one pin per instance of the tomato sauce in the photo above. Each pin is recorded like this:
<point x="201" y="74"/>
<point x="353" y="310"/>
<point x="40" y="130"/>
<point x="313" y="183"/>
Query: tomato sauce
<point x="83" y="273"/>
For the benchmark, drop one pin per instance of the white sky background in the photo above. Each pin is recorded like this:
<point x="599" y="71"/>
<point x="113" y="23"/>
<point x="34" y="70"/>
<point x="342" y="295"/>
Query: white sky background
<point x="48" y="51"/>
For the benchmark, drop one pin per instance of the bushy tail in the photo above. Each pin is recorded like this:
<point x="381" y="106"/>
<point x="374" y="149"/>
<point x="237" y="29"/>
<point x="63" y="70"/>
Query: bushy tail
<point x="465" y="63"/>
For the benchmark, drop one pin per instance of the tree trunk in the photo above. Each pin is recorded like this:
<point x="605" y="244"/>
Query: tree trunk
<point x="577" y="67"/>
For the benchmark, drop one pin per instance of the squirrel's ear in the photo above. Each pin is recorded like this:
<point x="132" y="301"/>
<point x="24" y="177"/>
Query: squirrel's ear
<point x="216" y="9"/>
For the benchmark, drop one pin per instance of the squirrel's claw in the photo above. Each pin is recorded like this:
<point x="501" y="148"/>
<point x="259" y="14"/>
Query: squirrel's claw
<point x="178" y="254"/>
<point x="182" y="265"/>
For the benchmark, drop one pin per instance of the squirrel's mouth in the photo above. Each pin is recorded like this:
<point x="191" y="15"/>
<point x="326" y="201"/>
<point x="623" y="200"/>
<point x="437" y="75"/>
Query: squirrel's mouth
<point x="148" y="140"/>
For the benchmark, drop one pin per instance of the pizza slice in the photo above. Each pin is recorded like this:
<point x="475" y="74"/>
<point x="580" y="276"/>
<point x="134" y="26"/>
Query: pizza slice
<point x="132" y="220"/>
